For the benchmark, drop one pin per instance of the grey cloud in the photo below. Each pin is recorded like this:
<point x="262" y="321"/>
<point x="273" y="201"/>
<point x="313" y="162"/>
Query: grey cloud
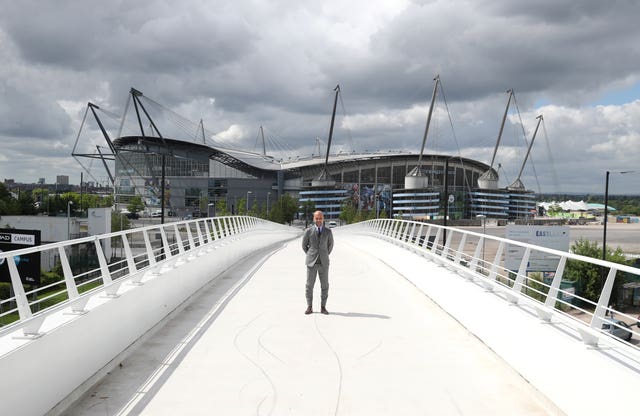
<point x="247" y="64"/>
<point x="23" y="114"/>
<point x="140" y="36"/>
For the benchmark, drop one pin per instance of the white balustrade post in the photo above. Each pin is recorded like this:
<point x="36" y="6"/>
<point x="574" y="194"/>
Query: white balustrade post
<point x="110" y="287"/>
<point x="77" y="303"/>
<point x="520" y="277"/>
<point x="434" y="246"/>
<point x="131" y="264"/>
<point x="463" y="241"/>
<point x="418" y="235"/>
<point x="476" y="256"/>
<point x="603" y="300"/>
<point x="496" y="261"/>
<point x="388" y="231"/>
<point x="199" y="233"/>
<point x="410" y="235"/>
<point x="176" y="234"/>
<point x="225" y="227"/>
<point x="151" y="256"/>
<point x="425" y="242"/>
<point x="165" y="244"/>
<point x="397" y="226"/>
<point x="552" y="296"/>
<point x="192" y="243"/>
<point x="445" y="250"/>
<point x="207" y="232"/>
<point x="24" y="310"/>
<point x="215" y="225"/>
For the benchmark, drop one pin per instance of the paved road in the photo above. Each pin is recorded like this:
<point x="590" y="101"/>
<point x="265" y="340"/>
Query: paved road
<point x="625" y="236"/>
<point x="385" y="349"/>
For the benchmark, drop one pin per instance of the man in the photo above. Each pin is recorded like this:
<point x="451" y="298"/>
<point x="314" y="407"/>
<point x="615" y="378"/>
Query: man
<point x="317" y="243"/>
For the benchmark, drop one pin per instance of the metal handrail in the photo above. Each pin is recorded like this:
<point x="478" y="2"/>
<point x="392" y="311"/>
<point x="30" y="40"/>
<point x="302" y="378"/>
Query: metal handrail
<point x="461" y="251"/>
<point x="141" y="248"/>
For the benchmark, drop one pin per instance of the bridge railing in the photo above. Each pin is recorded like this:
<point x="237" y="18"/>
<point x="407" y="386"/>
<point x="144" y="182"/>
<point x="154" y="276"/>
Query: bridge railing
<point x="100" y="262"/>
<point x="467" y="252"/>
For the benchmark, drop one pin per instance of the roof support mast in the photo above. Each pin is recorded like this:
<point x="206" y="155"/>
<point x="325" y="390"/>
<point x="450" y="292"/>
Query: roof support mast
<point x="324" y="179"/>
<point x="504" y="119"/>
<point x="489" y="179"/>
<point x="426" y="129"/>
<point x="333" y="119"/>
<point x="264" y="145"/>
<point x="517" y="184"/>
<point x="417" y="178"/>
<point x="136" y="101"/>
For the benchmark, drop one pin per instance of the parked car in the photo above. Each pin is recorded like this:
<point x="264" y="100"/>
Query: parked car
<point x="156" y="214"/>
<point x="617" y="328"/>
<point x="332" y="224"/>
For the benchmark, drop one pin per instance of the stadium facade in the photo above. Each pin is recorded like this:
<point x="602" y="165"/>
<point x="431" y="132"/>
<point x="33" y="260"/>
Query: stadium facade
<point x="197" y="176"/>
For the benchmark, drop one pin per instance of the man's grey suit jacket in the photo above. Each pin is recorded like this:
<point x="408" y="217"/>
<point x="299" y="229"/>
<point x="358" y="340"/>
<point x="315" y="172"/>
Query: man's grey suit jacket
<point x="317" y="246"/>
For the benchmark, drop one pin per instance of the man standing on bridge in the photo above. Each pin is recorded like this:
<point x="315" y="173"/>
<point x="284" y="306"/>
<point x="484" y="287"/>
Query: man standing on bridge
<point x="317" y="243"/>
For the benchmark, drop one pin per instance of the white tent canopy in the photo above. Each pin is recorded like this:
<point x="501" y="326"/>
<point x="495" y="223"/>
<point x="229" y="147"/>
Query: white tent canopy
<point x="573" y="206"/>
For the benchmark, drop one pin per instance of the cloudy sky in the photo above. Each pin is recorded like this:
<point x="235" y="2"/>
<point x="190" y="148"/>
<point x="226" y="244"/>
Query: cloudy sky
<point x="241" y="64"/>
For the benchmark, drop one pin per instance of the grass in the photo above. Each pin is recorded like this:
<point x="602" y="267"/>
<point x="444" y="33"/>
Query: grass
<point x="58" y="297"/>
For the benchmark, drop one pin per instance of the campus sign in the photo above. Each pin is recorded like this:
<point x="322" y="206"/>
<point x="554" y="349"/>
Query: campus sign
<point x="28" y="264"/>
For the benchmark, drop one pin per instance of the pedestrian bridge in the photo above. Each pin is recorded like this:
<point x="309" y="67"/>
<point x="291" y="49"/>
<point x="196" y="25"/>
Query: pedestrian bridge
<point x="206" y="317"/>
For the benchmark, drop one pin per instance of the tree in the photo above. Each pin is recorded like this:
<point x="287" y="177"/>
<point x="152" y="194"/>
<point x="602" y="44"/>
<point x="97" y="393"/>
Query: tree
<point x="119" y="222"/>
<point x="308" y="208"/>
<point x="554" y="210"/>
<point x="204" y="205"/>
<point x="241" y="208"/>
<point x="347" y="212"/>
<point x="254" y="208"/>
<point x="284" y="210"/>
<point x="26" y="204"/>
<point x="135" y="204"/>
<point x="221" y="207"/>
<point x="8" y="204"/>
<point x="589" y="278"/>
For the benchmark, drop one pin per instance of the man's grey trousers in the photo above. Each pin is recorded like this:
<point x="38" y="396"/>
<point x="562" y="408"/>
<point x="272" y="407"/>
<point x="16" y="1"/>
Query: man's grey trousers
<point x="322" y="271"/>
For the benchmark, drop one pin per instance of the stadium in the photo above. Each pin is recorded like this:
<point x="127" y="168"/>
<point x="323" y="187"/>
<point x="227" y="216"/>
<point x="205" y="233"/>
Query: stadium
<point x="197" y="174"/>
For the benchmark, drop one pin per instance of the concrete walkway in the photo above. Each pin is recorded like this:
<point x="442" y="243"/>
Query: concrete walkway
<point x="244" y="346"/>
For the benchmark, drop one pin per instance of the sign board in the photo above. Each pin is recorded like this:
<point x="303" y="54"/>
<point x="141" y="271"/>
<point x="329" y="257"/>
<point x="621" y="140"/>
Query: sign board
<point x="28" y="264"/>
<point x="554" y="237"/>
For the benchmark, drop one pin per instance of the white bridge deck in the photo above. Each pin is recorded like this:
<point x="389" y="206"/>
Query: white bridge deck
<point x="244" y="346"/>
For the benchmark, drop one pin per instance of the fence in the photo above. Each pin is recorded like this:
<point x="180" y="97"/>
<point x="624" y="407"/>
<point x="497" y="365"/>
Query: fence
<point x="100" y="262"/>
<point x="466" y="252"/>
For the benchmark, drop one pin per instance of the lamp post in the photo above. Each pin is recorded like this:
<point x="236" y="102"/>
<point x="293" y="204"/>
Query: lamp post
<point x="268" y="196"/>
<point x="606" y="210"/>
<point x="483" y="218"/>
<point x="248" y="192"/>
<point x="447" y="198"/>
<point x="69" y="203"/>
<point x="606" y="213"/>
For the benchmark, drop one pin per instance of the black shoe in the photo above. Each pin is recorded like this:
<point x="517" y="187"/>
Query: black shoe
<point x="324" y="311"/>
<point x="308" y="311"/>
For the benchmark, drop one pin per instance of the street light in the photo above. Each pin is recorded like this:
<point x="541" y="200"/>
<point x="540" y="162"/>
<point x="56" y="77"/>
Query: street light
<point x="69" y="203"/>
<point x="268" y="196"/>
<point x="248" y="192"/>
<point x="483" y="218"/>
<point x="448" y="198"/>
<point x="606" y="212"/>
